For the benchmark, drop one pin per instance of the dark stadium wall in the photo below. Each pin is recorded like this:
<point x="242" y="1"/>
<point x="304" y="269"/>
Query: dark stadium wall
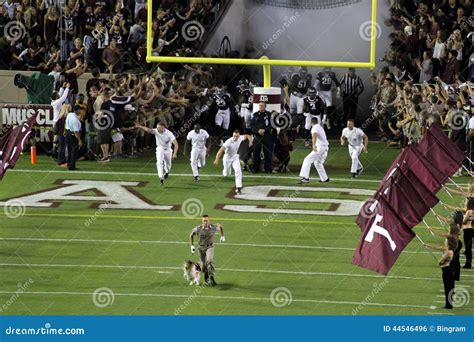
<point x="337" y="34"/>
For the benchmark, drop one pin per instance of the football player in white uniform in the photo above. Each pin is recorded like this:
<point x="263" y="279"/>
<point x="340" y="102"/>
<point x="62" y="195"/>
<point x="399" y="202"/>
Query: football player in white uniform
<point x="164" y="140"/>
<point x="199" y="139"/>
<point x="357" y="141"/>
<point x="317" y="156"/>
<point x="231" y="160"/>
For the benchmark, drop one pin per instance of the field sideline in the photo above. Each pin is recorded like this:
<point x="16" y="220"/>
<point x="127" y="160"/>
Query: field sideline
<point x="85" y="257"/>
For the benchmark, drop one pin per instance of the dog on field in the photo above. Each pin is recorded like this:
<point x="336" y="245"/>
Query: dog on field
<point x="192" y="272"/>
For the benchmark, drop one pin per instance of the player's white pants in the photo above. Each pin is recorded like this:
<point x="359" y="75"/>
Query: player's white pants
<point x="296" y="104"/>
<point x="223" y="118"/>
<point x="327" y="97"/>
<point x="354" y="152"/>
<point x="198" y="159"/>
<point x="163" y="161"/>
<point x="318" y="158"/>
<point x="247" y="115"/>
<point x="233" y="163"/>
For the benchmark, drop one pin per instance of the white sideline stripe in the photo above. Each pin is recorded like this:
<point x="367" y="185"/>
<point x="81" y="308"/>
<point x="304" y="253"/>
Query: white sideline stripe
<point x="185" y="243"/>
<point x="438" y="301"/>
<point x="295" y="178"/>
<point x="265" y="299"/>
<point x="356" y="275"/>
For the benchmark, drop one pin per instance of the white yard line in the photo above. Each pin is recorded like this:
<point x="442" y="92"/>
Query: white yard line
<point x="151" y="174"/>
<point x="185" y="296"/>
<point x="348" y="179"/>
<point x="185" y="243"/>
<point x="334" y="274"/>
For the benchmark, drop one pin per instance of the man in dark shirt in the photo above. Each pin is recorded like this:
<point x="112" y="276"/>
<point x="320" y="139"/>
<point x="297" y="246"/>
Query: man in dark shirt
<point x="262" y="132"/>
<point x="451" y="71"/>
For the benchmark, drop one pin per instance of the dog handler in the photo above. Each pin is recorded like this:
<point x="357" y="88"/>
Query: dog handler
<point x="206" y="232"/>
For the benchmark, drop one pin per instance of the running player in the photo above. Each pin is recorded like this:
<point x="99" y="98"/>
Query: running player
<point x="245" y="90"/>
<point x="324" y="84"/>
<point x="314" y="107"/>
<point x="357" y="141"/>
<point x="223" y="103"/>
<point x="299" y="84"/>
<point x="231" y="160"/>
<point x="199" y="139"/>
<point x="317" y="156"/>
<point x="164" y="140"/>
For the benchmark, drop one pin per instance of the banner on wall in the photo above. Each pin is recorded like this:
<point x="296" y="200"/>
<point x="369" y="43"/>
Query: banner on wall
<point x="15" y="114"/>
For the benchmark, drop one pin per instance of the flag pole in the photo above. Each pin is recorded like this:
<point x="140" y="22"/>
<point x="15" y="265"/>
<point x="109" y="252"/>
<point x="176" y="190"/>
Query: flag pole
<point x="423" y="243"/>
<point x="448" y="193"/>
<point x="436" y="215"/>
<point x="457" y="185"/>
<point x="428" y="227"/>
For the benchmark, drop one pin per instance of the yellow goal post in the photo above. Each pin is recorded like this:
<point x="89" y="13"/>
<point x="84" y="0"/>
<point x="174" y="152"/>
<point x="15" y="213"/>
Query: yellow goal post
<point x="264" y="61"/>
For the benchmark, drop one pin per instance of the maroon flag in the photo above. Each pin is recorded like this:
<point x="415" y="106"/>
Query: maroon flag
<point x="13" y="142"/>
<point x="432" y="175"/>
<point x="421" y="198"/>
<point x="383" y="240"/>
<point x="441" y="152"/>
<point x="407" y="159"/>
<point x="395" y="195"/>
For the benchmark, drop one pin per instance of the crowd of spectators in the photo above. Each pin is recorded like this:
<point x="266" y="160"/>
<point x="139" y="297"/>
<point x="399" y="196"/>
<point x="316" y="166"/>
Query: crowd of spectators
<point x="103" y="34"/>
<point x="429" y="76"/>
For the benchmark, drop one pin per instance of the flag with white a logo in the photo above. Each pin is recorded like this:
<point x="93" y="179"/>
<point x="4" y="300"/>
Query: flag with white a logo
<point x="13" y="142"/>
<point x="384" y="238"/>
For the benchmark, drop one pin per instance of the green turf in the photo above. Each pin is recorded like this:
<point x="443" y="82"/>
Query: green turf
<point x="138" y="254"/>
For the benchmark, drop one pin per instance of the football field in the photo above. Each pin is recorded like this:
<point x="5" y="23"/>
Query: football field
<point x="108" y="240"/>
